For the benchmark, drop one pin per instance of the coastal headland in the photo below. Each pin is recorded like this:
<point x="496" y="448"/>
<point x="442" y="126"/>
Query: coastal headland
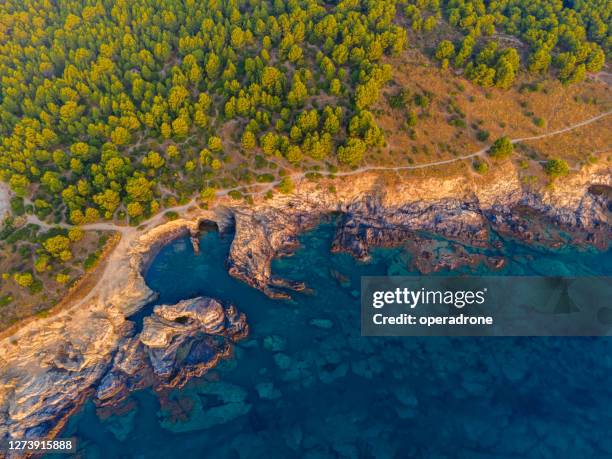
<point x="89" y="347"/>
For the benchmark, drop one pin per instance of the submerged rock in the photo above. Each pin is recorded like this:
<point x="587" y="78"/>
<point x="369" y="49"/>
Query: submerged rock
<point x="407" y="403"/>
<point x="342" y="280"/>
<point x="274" y="343"/>
<point x="329" y="373"/>
<point x="282" y="360"/>
<point x="214" y="403"/>
<point x="267" y="391"/>
<point x="325" y="324"/>
<point x="293" y="436"/>
<point x="122" y="425"/>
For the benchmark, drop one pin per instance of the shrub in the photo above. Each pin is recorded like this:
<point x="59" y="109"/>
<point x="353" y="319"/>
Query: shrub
<point x="482" y="135"/>
<point x="482" y="167"/>
<point x="208" y="194"/>
<point x="457" y="122"/>
<point x="556" y="168"/>
<point x="6" y="300"/>
<point x="286" y="185"/>
<point x="501" y="148"/>
<point x="265" y="178"/>
<point x="396" y="101"/>
<point x="36" y="287"/>
<point x="422" y="100"/>
<point x="75" y="234"/>
<point x="92" y="260"/>
<point x="171" y="215"/>
<point x="235" y="194"/>
<point x="17" y="205"/>
<point x="411" y="119"/>
<point x="58" y="247"/>
<point x="62" y="278"/>
<point x="23" y="279"/>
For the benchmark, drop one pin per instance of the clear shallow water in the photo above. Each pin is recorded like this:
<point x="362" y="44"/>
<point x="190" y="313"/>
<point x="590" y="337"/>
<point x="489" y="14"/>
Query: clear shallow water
<point x="306" y="384"/>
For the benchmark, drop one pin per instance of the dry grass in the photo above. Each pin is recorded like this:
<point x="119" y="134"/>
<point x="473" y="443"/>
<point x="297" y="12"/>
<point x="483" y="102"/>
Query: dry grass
<point x="592" y="142"/>
<point x="513" y="112"/>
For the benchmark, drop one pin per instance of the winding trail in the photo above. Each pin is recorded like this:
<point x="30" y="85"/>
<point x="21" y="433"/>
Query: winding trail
<point x="158" y="218"/>
<point x="482" y="151"/>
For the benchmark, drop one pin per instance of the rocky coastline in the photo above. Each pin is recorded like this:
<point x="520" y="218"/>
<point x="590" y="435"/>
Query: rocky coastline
<point x="575" y="212"/>
<point x="50" y="366"/>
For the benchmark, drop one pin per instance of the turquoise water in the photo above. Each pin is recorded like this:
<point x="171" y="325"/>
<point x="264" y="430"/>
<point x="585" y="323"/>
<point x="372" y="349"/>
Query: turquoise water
<point x="306" y="384"/>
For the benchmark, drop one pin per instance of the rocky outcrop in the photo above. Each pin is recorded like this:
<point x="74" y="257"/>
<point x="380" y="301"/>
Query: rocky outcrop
<point x="369" y="224"/>
<point x="265" y="233"/>
<point x="177" y="342"/>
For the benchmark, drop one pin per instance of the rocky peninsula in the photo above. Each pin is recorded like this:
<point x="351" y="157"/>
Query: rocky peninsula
<point x="91" y="348"/>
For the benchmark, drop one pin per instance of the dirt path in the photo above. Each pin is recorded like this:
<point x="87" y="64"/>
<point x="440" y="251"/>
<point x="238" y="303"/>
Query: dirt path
<point x="604" y="77"/>
<point x="116" y="263"/>
<point x="482" y="151"/>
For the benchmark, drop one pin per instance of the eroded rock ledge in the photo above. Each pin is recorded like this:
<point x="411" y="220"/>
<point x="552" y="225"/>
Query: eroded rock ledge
<point x="177" y="342"/>
<point x="51" y="365"/>
<point x="574" y="212"/>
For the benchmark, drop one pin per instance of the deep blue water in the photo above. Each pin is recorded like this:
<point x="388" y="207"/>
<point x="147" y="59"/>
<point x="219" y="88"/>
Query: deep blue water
<point x="306" y="384"/>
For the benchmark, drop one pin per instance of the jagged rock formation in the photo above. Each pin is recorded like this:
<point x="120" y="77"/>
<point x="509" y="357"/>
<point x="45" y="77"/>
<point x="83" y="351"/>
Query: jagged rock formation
<point x="177" y="342"/>
<point x="265" y="233"/>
